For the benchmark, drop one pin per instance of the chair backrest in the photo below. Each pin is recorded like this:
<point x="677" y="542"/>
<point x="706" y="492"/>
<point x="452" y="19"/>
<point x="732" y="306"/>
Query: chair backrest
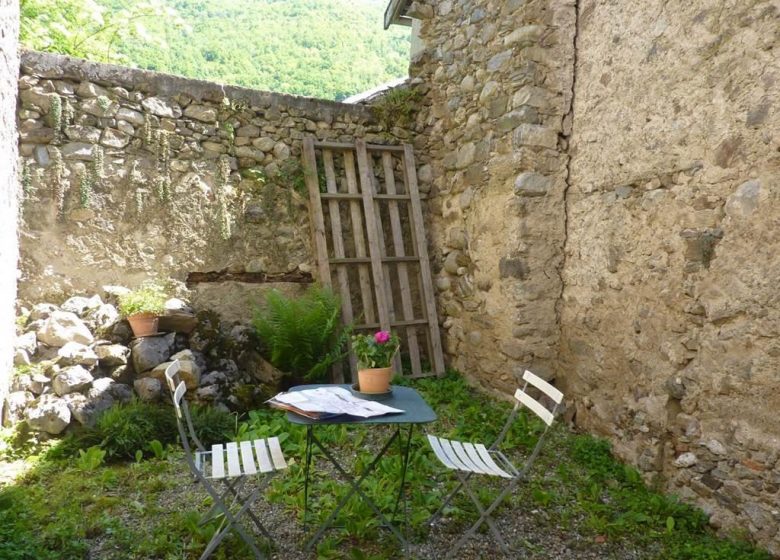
<point x="171" y="373"/>
<point x="178" y="389"/>
<point x="535" y="406"/>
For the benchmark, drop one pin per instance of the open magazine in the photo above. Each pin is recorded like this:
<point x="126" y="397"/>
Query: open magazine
<point x="327" y="402"/>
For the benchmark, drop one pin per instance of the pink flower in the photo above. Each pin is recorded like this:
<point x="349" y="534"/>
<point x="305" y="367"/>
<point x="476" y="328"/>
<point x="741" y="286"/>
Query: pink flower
<point x="381" y="337"/>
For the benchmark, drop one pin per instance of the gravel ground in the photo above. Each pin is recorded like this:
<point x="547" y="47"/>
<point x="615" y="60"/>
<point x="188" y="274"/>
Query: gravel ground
<point x="531" y="534"/>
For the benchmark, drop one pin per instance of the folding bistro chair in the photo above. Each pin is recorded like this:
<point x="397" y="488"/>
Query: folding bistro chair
<point x="243" y="459"/>
<point x="467" y="459"/>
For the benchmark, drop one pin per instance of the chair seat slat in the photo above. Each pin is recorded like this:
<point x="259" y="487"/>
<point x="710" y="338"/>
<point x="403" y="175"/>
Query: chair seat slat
<point x="263" y="459"/>
<point x="535" y="407"/>
<point x="477" y="460"/>
<point x="217" y="461"/>
<point x="439" y="452"/>
<point x="247" y="457"/>
<point x="276" y="453"/>
<point x="234" y="465"/>
<point x="483" y="452"/>
<point x="466" y="459"/>
<point x="446" y="445"/>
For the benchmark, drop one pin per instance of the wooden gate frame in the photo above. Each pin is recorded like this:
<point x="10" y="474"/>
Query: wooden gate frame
<point x="377" y="253"/>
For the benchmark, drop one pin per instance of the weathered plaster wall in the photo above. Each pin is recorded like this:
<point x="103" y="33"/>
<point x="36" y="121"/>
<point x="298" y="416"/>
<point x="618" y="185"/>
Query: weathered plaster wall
<point x="9" y="64"/>
<point x="496" y="78"/>
<point x="671" y="312"/>
<point x="195" y="177"/>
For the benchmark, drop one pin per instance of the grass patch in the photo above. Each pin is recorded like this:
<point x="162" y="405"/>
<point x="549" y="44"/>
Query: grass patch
<point x="71" y="504"/>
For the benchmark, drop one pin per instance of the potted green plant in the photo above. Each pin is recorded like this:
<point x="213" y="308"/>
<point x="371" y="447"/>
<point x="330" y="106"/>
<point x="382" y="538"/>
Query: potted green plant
<point x="142" y="308"/>
<point x="375" y="355"/>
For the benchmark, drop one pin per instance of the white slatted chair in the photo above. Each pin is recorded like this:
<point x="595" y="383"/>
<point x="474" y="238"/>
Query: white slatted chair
<point x="228" y="464"/>
<point x="469" y="459"/>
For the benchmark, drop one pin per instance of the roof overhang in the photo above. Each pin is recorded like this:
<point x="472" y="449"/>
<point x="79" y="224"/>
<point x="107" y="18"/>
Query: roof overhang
<point x="395" y="13"/>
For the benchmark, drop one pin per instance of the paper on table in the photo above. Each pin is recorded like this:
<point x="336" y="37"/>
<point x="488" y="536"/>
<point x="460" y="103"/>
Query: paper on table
<point x="332" y="401"/>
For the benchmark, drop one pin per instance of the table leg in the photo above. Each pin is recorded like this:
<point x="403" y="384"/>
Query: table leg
<point x="306" y="477"/>
<point x="355" y="489"/>
<point x="405" y="450"/>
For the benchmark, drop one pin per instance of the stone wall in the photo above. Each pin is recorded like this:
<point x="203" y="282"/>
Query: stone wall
<point x="627" y="243"/>
<point x="497" y="82"/>
<point x="671" y="311"/>
<point x="129" y="173"/>
<point x="9" y="63"/>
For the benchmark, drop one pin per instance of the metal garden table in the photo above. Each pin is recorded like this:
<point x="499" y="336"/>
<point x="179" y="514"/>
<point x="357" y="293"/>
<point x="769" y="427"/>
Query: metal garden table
<point x="416" y="411"/>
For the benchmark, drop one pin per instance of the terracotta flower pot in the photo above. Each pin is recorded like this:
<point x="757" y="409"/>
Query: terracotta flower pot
<point x="375" y="380"/>
<point x="143" y="324"/>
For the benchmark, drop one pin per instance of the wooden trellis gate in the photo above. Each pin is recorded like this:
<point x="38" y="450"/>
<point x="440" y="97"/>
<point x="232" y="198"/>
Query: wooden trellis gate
<point x="371" y="244"/>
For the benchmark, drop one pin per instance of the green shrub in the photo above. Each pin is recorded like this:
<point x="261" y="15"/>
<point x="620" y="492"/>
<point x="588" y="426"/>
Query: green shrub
<point x="302" y="336"/>
<point x="148" y="298"/>
<point x="212" y="424"/>
<point x="121" y="431"/>
<point x="126" y="428"/>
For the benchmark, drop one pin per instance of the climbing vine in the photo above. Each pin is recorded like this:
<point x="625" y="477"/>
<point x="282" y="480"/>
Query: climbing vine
<point x="147" y="131"/>
<point x="85" y="188"/>
<point x="28" y="190"/>
<point x="162" y="182"/>
<point x="58" y="182"/>
<point x="55" y="118"/>
<point x="230" y="108"/>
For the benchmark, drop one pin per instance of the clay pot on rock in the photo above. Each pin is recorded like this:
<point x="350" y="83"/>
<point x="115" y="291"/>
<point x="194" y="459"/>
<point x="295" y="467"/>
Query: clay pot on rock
<point x="143" y="324"/>
<point x="374" y="380"/>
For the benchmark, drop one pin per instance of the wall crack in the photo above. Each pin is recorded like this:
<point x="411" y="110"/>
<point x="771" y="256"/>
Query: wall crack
<point x="567" y="131"/>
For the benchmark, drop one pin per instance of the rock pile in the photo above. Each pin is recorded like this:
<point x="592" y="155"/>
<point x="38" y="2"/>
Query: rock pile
<point x="78" y="359"/>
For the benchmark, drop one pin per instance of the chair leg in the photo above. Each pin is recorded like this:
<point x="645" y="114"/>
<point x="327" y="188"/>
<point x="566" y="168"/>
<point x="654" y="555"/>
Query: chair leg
<point x="433" y="518"/>
<point x="233" y="487"/>
<point x="232" y="523"/>
<point x="484" y="516"/>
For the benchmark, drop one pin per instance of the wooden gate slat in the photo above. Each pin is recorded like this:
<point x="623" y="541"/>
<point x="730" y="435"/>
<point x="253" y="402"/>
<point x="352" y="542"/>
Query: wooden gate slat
<point x="342" y="277"/>
<point x="422" y="251"/>
<point x="366" y="187"/>
<point x="360" y="242"/>
<point x="386" y="268"/>
<point x="403" y="274"/>
<point x="317" y="219"/>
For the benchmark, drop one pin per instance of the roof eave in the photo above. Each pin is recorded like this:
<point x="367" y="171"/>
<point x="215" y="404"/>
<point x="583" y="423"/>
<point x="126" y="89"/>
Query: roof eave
<point x="394" y="13"/>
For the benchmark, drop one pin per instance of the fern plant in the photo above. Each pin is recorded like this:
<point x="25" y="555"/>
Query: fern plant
<point x="302" y="336"/>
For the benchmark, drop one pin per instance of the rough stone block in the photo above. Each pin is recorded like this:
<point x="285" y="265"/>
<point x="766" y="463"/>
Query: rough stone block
<point x="536" y="135"/>
<point x="201" y="113"/>
<point x="162" y="107"/>
<point x="532" y="184"/>
<point x="48" y="414"/>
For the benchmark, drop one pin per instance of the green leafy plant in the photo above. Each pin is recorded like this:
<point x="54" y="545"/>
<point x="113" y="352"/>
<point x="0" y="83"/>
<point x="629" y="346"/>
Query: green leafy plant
<point x="150" y="297"/>
<point x="375" y="350"/>
<point x="158" y="449"/>
<point x="90" y="459"/>
<point x="396" y="107"/>
<point x="302" y="336"/>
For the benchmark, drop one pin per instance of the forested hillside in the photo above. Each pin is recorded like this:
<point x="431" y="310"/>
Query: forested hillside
<point x="321" y="48"/>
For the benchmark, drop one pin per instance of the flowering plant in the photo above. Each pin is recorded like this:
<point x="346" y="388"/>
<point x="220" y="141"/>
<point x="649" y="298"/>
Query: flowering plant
<point x="375" y="350"/>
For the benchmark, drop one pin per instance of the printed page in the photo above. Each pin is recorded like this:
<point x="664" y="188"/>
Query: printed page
<point x="334" y="400"/>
